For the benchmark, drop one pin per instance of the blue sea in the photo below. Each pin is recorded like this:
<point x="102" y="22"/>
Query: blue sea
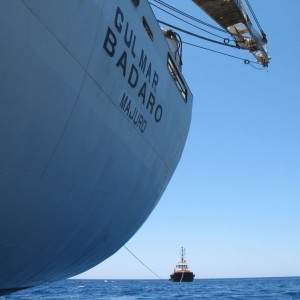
<point x="257" y="288"/>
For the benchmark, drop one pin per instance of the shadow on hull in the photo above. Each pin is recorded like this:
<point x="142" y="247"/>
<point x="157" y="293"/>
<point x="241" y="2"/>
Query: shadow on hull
<point x="9" y="291"/>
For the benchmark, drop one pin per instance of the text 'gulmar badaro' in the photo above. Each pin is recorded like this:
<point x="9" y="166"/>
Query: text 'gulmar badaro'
<point x="122" y="45"/>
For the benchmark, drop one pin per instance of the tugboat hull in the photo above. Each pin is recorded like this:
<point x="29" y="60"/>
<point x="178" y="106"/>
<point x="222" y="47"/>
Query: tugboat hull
<point x="182" y="277"/>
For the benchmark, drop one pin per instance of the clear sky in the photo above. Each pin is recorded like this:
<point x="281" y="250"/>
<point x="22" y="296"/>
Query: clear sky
<point x="234" y="200"/>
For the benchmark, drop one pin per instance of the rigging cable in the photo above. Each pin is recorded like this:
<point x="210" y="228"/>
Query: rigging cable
<point x="189" y="16"/>
<point x="257" y="68"/>
<point x="141" y="262"/>
<point x="246" y="61"/>
<point x="185" y="21"/>
<point x="198" y="36"/>
<point x="224" y="43"/>
<point x="255" y="18"/>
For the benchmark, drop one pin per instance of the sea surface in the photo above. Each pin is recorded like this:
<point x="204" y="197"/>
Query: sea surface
<point x="256" y="288"/>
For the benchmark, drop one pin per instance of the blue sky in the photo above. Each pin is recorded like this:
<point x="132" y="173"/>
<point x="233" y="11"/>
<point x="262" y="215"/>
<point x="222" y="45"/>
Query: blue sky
<point x="234" y="200"/>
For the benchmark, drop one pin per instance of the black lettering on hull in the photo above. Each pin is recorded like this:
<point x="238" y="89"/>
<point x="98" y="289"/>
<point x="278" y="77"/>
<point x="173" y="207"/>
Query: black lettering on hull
<point x="121" y="45"/>
<point x="133" y="113"/>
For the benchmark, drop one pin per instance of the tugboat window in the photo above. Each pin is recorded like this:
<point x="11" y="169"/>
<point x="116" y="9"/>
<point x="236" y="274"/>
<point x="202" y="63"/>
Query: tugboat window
<point x="177" y="77"/>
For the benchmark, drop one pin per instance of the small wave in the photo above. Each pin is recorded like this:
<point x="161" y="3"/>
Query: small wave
<point x="293" y="295"/>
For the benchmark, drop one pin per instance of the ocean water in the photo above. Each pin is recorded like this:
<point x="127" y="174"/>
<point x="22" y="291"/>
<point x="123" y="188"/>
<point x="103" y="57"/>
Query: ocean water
<point x="214" y="289"/>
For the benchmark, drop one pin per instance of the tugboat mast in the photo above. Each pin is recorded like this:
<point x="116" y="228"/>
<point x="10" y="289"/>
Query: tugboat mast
<point x="182" y="250"/>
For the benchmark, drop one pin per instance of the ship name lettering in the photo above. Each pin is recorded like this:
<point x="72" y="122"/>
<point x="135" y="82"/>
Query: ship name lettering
<point x="142" y="65"/>
<point x="133" y="113"/>
<point x="142" y="93"/>
<point x="138" y="71"/>
<point x="110" y="42"/>
<point x="151" y="103"/>
<point x="129" y="41"/>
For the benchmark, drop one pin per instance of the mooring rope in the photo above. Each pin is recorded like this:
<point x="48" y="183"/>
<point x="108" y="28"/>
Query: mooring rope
<point x="141" y="262"/>
<point x="182" y="275"/>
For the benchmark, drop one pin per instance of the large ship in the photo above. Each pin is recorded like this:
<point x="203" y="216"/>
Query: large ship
<point x="94" y="116"/>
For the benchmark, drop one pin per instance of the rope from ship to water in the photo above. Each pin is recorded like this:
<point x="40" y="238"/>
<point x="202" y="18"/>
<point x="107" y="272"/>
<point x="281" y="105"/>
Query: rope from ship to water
<point x="182" y="275"/>
<point x="141" y="262"/>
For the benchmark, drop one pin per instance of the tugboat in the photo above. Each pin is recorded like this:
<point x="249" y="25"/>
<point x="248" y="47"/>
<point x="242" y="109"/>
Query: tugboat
<point x="181" y="270"/>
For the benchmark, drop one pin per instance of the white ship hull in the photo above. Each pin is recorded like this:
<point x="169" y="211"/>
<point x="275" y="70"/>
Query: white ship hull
<point x="90" y="133"/>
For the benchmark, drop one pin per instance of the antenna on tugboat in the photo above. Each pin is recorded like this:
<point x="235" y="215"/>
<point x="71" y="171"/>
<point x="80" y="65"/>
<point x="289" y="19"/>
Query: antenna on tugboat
<point x="182" y="250"/>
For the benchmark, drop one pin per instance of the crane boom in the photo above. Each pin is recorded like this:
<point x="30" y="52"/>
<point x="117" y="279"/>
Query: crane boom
<point x="232" y="16"/>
